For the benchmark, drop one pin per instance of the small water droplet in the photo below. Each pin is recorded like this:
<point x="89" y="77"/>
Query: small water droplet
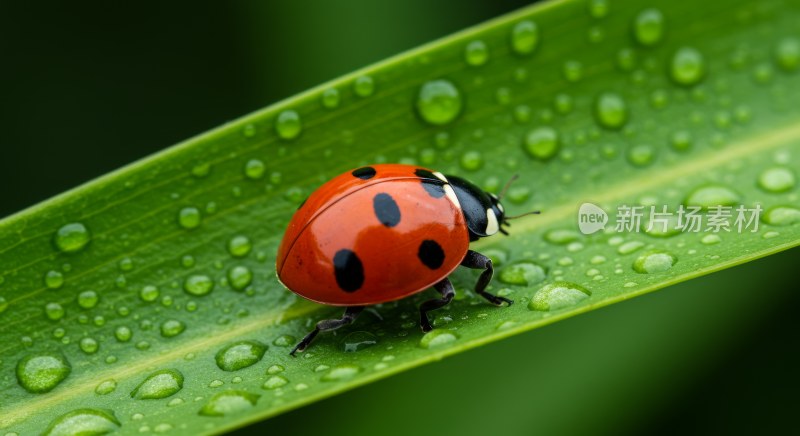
<point x="610" y="110"/>
<point x="558" y="295"/>
<point x="106" y="387"/>
<point x="172" y="327"/>
<point x="437" y="338"/>
<point x="43" y="372"/>
<point x="274" y="382"/>
<point x="239" y="246"/>
<point x="629" y="247"/>
<point x="89" y="345"/>
<point x="541" y="143"/>
<point x="626" y="59"/>
<point x="777" y="179"/>
<point x="189" y="217"/>
<point x="598" y="8"/>
<point x="123" y="334"/>
<point x="712" y="195"/>
<point x="341" y="372"/>
<point x="288" y="125"/>
<point x="524" y="37"/>
<point x="240" y="277"/>
<point x="561" y="236"/>
<point x="254" y="169"/>
<point x="654" y="262"/>
<point x="53" y="279"/>
<point x="88" y="299"/>
<point x="787" y="53"/>
<point x="284" y="341"/>
<point x="648" y="28"/>
<point x="563" y="104"/>
<point x="573" y="71"/>
<point x="364" y="86"/>
<point x="72" y="237"/>
<point x="681" y="140"/>
<point x="476" y="53"/>
<point x="240" y="355"/>
<point x="85" y="422"/>
<point x="523" y="273"/>
<point x="358" y="340"/>
<point x="330" y="98"/>
<point x="160" y="384"/>
<point x="149" y="293"/>
<point x="439" y="102"/>
<point x="229" y="402"/>
<point x="54" y="311"/>
<point x="687" y="67"/>
<point x="198" y="284"/>
<point x="711" y="239"/>
<point x="216" y="383"/>
<point x="641" y="155"/>
<point x="162" y="427"/>
<point x="781" y="216"/>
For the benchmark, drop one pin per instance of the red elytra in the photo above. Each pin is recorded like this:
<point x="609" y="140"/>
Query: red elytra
<point x="385" y="223"/>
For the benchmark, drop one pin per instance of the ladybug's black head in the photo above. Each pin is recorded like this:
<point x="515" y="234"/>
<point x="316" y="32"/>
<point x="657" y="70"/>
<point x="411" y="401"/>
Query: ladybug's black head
<point x="482" y="210"/>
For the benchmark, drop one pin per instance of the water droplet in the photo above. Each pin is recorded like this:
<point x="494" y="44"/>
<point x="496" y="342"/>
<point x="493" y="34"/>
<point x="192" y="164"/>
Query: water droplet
<point x="189" y="217"/>
<point x="522" y="273"/>
<point x="712" y="195"/>
<point x="610" y="110"/>
<point x="149" y="293"/>
<point x="649" y="27"/>
<point x="687" y="67"/>
<point x="274" y="382"/>
<point x="240" y="277"/>
<point x="275" y="369"/>
<point x="542" y="142"/>
<point x="72" y="237"/>
<point x="239" y="246"/>
<point x="777" y="179"/>
<point x="711" y="239"/>
<point x="201" y="170"/>
<point x="288" y="125"/>
<point x="629" y="247"/>
<point x="681" y="140"/>
<point x="53" y="279"/>
<point x="330" y="98"/>
<point x="364" y="86"/>
<point x="229" y="402"/>
<point x="54" y="311"/>
<point x="561" y="236"/>
<point x="787" y="53"/>
<point x="563" y="104"/>
<point x="654" y="262"/>
<point x="106" y="387"/>
<point x="439" y="102"/>
<point x="240" y="355"/>
<point x="437" y="338"/>
<point x="518" y="194"/>
<point x="254" y="169"/>
<point x="198" y="285"/>
<point x="471" y="160"/>
<point x="358" y="340"/>
<point x="123" y="334"/>
<point x="598" y="8"/>
<point x="216" y="383"/>
<point x="762" y="73"/>
<point x="284" y="341"/>
<point x="558" y="295"/>
<point x="88" y="299"/>
<point x="89" y="345"/>
<point x="781" y="216"/>
<point x="641" y="155"/>
<point x="84" y="422"/>
<point x="476" y="53"/>
<point x="160" y="384"/>
<point x="524" y="37"/>
<point x="162" y="427"/>
<point x="626" y="59"/>
<point x="172" y="327"/>
<point x="41" y="373"/>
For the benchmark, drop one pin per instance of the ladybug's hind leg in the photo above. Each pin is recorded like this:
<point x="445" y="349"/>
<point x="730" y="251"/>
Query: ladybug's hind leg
<point x="349" y="316"/>
<point x="476" y="260"/>
<point x="446" y="289"/>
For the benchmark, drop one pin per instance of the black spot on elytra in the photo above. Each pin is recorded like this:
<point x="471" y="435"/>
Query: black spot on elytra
<point x="431" y="254"/>
<point x="364" y="173"/>
<point x="349" y="270"/>
<point x="386" y="209"/>
<point x="431" y="183"/>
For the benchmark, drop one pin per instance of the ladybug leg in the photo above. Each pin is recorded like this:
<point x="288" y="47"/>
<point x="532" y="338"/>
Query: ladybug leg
<point x="446" y="289"/>
<point x="476" y="260"/>
<point x="349" y="316"/>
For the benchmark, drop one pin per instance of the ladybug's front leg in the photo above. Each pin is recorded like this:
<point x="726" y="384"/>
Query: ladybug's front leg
<point x="349" y="316"/>
<point x="476" y="260"/>
<point x="446" y="289"/>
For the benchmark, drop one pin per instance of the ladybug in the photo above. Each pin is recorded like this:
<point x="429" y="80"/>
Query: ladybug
<point x="383" y="232"/>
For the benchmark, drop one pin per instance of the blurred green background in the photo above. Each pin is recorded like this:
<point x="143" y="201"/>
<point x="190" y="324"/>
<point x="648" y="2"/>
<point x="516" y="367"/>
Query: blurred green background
<point x="88" y="87"/>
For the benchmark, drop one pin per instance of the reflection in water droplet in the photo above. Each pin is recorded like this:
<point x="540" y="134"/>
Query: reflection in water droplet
<point x="358" y="340"/>
<point x="189" y="217"/>
<point x="106" y="387"/>
<point x="788" y="53"/>
<point x="330" y="98"/>
<point x="240" y="277"/>
<point x="558" y="295"/>
<point x="172" y="327"/>
<point x="364" y="86"/>
<point x="198" y="285"/>
<point x="476" y="53"/>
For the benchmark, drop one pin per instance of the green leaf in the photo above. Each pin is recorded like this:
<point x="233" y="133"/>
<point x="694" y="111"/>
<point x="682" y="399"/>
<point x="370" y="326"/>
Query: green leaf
<point x="147" y="299"/>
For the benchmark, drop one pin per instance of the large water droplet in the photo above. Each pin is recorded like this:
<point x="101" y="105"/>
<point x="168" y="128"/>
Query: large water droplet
<point x="712" y="195"/>
<point x="777" y="179"/>
<point x="288" y="124"/>
<point x="558" y="295"/>
<point x="610" y="110"/>
<point x="160" y="384"/>
<point x="198" y="284"/>
<point x="72" y="237"/>
<point x="172" y="327"/>
<point x="476" y="53"/>
<point x="41" y="373"/>
<point x="240" y="355"/>
<point x="83" y="422"/>
<point x="229" y="402"/>
<point x="524" y="37"/>
<point x="649" y="27"/>
<point x="687" y="67"/>
<point x="523" y="273"/>
<point x="437" y="338"/>
<point x="654" y="262"/>
<point x="781" y="216"/>
<point x="358" y="340"/>
<point x="439" y="102"/>
<point x="541" y="142"/>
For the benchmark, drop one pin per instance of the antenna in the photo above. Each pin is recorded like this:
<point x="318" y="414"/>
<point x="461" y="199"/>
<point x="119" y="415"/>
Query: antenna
<point x="508" y="184"/>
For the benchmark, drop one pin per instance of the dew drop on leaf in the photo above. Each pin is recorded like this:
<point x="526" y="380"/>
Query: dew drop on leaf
<point x="558" y="295"/>
<point x="240" y="355"/>
<point x="198" y="285"/>
<point x="648" y="28"/>
<point x="522" y="273"/>
<point x="687" y="66"/>
<point x="541" y="143"/>
<point x="524" y="37"/>
<point x="781" y="216"/>
<point x="288" y="125"/>
<point x="476" y="53"/>
<point x="43" y="372"/>
<point x="83" y="422"/>
<point x="777" y="179"/>
<point x="358" y="340"/>
<point x="610" y="110"/>
<point x="274" y="382"/>
<point x="654" y="262"/>
<point x="439" y="102"/>
<point x="229" y="402"/>
<point x="72" y="237"/>
<point x="437" y="338"/>
<point x="160" y="384"/>
<point x="189" y="217"/>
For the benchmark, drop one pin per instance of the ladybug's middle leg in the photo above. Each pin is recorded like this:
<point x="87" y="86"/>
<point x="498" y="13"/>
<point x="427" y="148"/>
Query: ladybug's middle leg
<point x="446" y="289"/>
<point x="349" y="316"/>
<point x="476" y="260"/>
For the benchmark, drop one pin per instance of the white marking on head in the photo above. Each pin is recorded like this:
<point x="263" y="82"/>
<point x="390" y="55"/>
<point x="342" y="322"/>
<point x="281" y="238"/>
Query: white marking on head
<point x="500" y="208"/>
<point x="451" y="195"/>
<point x="491" y="222"/>
<point x="440" y="176"/>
